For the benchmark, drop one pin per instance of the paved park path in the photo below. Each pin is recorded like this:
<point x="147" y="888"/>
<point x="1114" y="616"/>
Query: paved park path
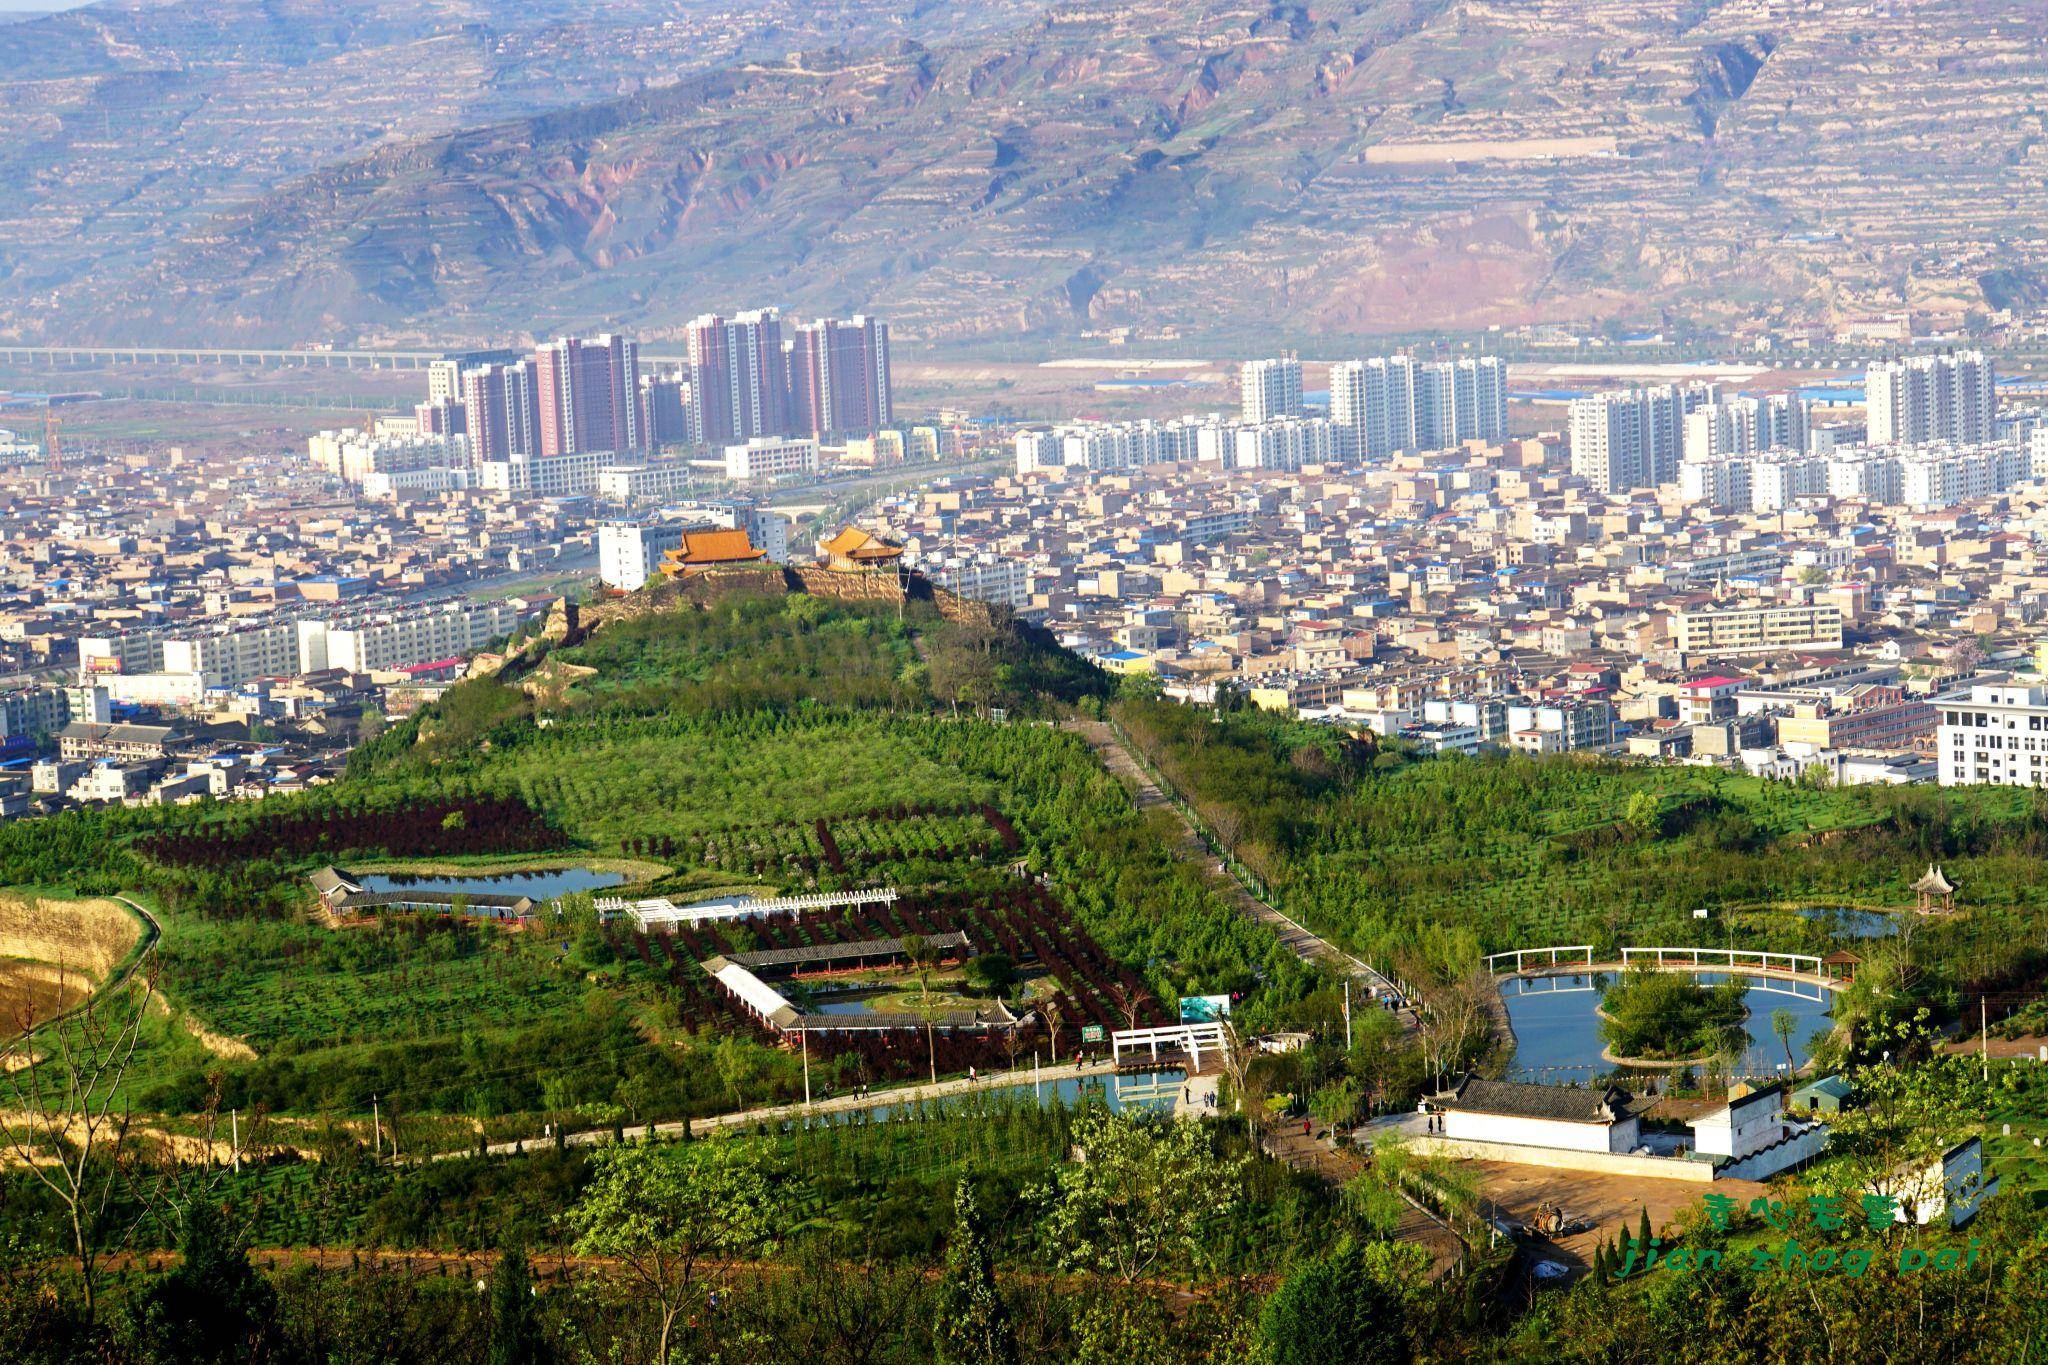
<point x="1287" y="1143"/>
<point x="1304" y="944"/>
<point x="836" y="1104"/>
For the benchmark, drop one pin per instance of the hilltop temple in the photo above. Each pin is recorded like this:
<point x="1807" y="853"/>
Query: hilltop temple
<point x="709" y="549"/>
<point x="854" y="551"/>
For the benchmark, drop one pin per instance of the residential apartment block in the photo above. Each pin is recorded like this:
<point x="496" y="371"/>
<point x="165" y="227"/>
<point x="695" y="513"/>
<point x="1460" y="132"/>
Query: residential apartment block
<point x="1756" y="630"/>
<point x="1931" y="398"/>
<point x="1633" y="438"/>
<point x="1270" y="388"/>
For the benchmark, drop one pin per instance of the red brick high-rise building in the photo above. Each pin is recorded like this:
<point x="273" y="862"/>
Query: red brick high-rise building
<point x="738" y="379"/>
<point x="589" y="396"/>
<point x="501" y="410"/>
<point x="839" y="377"/>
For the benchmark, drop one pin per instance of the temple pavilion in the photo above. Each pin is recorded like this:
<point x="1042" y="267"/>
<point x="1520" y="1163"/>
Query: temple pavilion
<point x="854" y="550"/>
<point x="709" y="549"/>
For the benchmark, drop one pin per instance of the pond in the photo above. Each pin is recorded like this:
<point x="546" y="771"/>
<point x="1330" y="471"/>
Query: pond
<point x="1151" y="1090"/>
<point x="1557" y="1026"/>
<point x="540" y="886"/>
<point x="1846" y="923"/>
<point x="844" y="1002"/>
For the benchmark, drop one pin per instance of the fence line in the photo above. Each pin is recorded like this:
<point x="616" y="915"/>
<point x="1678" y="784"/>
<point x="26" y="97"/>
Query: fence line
<point x="1518" y="953"/>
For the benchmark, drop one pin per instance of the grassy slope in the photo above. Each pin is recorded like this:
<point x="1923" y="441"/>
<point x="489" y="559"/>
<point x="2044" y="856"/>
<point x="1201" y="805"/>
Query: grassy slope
<point x="756" y="710"/>
<point x="1514" y="852"/>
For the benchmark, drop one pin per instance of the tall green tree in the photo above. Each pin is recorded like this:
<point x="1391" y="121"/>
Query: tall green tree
<point x="973" y="1326"/>
<point x="671" y="1216"/>
<point x="1149" y="1194"/>
<point x="516" y="1334"/>
<point x="214" y="1308"/>
<point x="1785" y="1023"/>
<point x="1334" y="1310"/>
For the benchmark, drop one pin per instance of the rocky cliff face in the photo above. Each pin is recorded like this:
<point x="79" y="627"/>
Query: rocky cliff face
<point x="1224" y="168"/>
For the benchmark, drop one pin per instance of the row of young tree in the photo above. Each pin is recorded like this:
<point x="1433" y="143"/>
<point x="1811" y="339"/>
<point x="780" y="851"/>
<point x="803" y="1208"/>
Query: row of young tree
<point x="448" y="827"/>
<point x="1514" y="851"/>
<point x="674" y="1249"/>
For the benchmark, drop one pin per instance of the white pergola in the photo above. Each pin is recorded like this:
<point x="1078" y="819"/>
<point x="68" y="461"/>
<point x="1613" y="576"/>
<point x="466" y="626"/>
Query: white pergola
<point x="660" y="912"/>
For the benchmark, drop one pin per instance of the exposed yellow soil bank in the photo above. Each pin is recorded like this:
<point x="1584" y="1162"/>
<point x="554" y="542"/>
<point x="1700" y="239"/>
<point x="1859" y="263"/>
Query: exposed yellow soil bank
<point x="87" y="939"/>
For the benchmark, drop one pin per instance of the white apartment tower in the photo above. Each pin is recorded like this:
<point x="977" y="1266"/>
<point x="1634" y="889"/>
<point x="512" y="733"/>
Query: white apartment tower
<point x="1391" y="403"/>
<point x="1271" y="388"/>
<point x="1460" y="400"/>
<point x="1931" y="398"/>
<point x="1372" y="404"/>
<point x="1632" y="438"/>
<point x="1719" y="483"/>
<point x="1747" y="425"/>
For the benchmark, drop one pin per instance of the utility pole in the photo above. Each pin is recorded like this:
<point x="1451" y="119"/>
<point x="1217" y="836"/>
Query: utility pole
<point x="235" y="1127"/>
<point x="805" y="1034"/>
<point x="1036" y="1092"/>
<point x="377" y="1125"/>
<point x="1984" y="1036"/>
<point x="1347" y="1014"/>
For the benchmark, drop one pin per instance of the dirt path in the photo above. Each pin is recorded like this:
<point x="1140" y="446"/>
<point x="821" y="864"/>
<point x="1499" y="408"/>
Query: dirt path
<point x="2030" y="1047"/>
<point x="1338" y="1165"/>
<point x="561" y="1265"/>
<point x="1299" y="940"/>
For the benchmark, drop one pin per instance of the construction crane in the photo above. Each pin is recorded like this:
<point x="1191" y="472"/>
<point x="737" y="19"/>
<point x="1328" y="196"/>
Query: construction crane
<point x="53" y="450"/>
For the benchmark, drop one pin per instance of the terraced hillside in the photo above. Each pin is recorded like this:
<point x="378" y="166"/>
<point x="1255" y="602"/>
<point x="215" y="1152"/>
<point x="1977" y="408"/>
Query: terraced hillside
<point x="1218" y="167"/>
<point x="131" y="126"/>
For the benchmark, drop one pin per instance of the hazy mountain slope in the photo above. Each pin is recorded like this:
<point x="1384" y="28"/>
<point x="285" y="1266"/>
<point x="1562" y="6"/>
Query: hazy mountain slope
<point x="1216" y="167"/>
<point x="124" y="128"/>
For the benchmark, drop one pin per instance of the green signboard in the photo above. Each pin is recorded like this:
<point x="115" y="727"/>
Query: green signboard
<point x="1091" y="1033"/>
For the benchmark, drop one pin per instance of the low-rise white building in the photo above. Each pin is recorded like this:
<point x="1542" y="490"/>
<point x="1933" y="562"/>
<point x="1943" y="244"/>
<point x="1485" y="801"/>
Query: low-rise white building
<point x="1524" y="1115"/>
<point x="108" y="782"/>
<point x="643" y="482"/>
<point x="997" y="579"/>
<point x="549" y="476"/>
<point x="771" y="457"/>
<point x="1745" y="1125"/>
<point x="1951" y="1186"/>
<point x="1993" y="734"/>
<point x="401" y="640"/>
<point x="628" y="553"/>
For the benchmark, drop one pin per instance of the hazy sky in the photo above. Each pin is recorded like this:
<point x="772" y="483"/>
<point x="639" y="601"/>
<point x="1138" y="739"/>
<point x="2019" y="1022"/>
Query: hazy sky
<point x="38" y="6"/>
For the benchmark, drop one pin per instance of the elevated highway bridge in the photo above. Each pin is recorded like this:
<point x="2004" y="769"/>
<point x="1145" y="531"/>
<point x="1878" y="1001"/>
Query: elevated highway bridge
<point x="88" y="357"/>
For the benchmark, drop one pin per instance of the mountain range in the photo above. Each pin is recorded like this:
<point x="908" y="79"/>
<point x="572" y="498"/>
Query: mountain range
<point x="467" y="170"/>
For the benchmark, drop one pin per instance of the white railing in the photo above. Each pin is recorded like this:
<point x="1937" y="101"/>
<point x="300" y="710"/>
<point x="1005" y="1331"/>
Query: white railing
<point x="659" y="910"/>
<point x="1583" y="957"/>
<point x="1580" y="955"/>
<point x="1731" y="958"/>
<point x="1188" y="1038"/>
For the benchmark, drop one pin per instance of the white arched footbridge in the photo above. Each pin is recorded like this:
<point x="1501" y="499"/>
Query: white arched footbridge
<point x="1802" y="969"/>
